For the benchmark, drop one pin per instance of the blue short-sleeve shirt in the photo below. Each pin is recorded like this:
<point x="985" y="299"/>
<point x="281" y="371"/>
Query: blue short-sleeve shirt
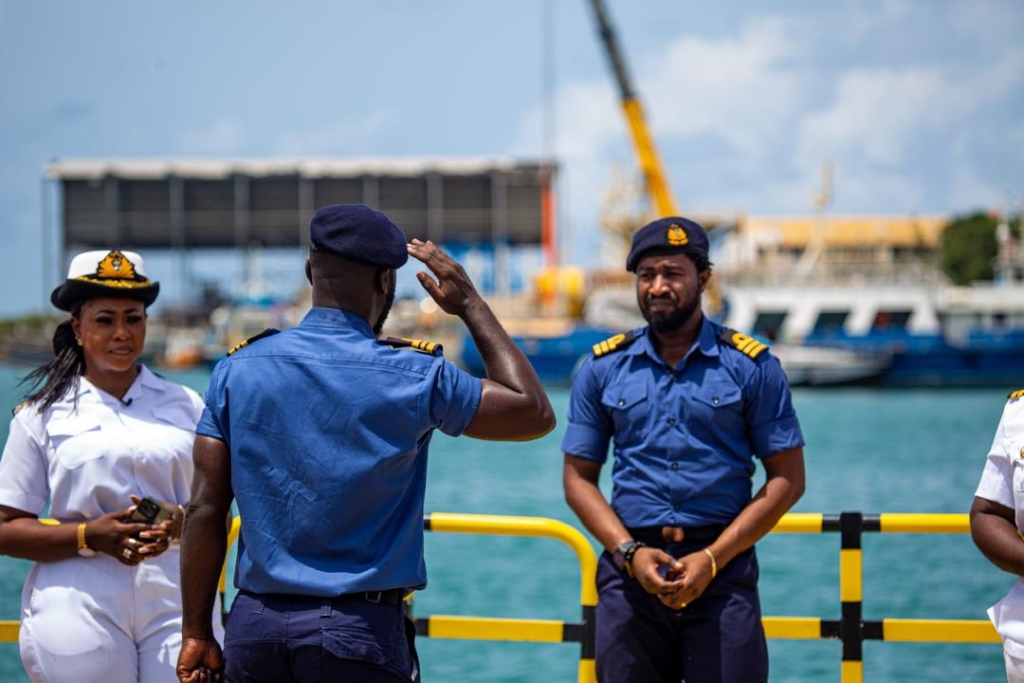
<point x="328" y="431"/>
<point x="684" y="438"/>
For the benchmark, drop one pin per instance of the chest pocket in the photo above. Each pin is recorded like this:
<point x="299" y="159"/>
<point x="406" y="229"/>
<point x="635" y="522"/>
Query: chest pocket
<point x="76" y="440"/>
<point x="628" y="406"/>
<point x="721" y="402"/>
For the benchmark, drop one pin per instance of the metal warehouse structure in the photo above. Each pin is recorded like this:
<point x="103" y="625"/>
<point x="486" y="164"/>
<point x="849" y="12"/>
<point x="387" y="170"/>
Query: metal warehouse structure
<point x="202" y="204"/>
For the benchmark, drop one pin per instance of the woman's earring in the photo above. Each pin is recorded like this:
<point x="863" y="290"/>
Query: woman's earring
<point x="78" y="340"/>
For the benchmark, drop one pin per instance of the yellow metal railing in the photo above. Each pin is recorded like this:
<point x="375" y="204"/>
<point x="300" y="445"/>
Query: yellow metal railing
<point x="850" y="628"/>
<point x="524" y="630"/>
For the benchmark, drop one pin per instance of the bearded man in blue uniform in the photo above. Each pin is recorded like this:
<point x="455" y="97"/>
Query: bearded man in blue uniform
<point x="320" y="434"/>
<point x="688" y="406"/>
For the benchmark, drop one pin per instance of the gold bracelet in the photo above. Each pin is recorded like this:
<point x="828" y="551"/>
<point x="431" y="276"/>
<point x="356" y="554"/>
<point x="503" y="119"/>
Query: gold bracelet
<point x="714" y="565"/>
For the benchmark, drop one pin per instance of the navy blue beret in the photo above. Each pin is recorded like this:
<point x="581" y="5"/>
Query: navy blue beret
<point x="360" y="233"/>
<point x="672" y="235"/>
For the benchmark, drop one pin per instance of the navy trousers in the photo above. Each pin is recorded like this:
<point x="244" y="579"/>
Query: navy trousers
<point x="718" y="638"/>
<point x="295" y="639"/>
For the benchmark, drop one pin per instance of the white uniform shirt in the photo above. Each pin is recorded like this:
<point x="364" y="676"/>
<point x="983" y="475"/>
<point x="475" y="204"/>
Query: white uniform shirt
<point x="86" y="459"/>
<point x="1002" y="481"/>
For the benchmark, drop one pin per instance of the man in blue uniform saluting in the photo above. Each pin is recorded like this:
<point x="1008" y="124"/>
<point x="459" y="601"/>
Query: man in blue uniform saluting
<point x="688" y="405"/>
<point x="320" y="434"/>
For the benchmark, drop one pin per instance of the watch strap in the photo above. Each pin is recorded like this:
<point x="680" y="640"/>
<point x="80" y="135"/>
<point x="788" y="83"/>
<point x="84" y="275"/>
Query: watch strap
<point x="623" y="555"/>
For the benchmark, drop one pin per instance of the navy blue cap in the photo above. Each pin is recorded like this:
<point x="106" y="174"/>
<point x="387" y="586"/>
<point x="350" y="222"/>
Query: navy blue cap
<point x="672" y="235"/>
<point x="360" y="233"/>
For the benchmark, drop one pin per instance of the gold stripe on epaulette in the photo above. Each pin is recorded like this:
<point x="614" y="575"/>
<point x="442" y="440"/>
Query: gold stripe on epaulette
<point x="421" y="345"/>
<point x="744" y="343"/>
<point x="19" y="407"/>
<point x="748" y="344"/>
<point x="270" y="331"/>
<point x="1014" y="395"/>
<point x="238" y="347"/>
<point x="619" y="341"/>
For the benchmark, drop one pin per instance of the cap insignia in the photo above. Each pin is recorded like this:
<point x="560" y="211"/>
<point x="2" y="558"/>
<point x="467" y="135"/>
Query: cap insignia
<point x="115" y="270"/>
<point x="676" y="236"/>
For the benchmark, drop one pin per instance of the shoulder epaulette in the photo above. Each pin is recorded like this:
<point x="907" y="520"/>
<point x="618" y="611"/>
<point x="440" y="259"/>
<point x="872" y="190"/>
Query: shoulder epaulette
<point x="619" y="341"/>
<point x="270" y="331"/>
<point x="1014" y="395"/>
<point x="744" y="343"/>
<point x="433" y="348"/>
<point x="14" y="411"/>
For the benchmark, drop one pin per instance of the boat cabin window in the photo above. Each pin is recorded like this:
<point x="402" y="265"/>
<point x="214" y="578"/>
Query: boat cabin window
<point x="768" y="323"/>
<point x="890" y="320"/>
<point x="830" y="322"/>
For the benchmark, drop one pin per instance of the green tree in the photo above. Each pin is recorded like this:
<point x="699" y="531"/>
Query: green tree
<point x="969" y="248"/>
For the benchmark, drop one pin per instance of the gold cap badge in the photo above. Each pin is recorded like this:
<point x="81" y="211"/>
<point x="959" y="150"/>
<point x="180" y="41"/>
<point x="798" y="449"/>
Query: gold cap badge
<point x="115" y="266"/>
<point x="676" y="236"/>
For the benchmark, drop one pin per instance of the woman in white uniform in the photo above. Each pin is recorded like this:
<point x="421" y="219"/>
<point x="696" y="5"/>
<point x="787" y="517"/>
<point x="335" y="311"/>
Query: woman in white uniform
<point x="97" y="432"/>
<point x="997" y="518"/>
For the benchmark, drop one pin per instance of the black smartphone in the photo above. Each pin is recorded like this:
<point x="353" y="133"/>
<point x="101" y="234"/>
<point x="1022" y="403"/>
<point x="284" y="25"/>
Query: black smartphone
<point x="148" y="511"/>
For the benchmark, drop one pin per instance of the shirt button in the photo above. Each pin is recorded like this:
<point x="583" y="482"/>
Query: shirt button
<point x="677" y="507"/>
<point x="622" y="402"/>
<point x="715" y="400"/>
<point x="675" y="466"/>
<point x="671" y="421"/>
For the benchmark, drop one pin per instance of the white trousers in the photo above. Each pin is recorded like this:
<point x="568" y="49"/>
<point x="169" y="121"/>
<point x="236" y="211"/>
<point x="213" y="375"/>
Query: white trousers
<point x="95" y="620"/>
<point x="1014" y="668"/>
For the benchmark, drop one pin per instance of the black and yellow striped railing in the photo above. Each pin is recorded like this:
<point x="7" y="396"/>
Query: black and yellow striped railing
<point x="523" y="630"/>
<point x="851" y="628"/>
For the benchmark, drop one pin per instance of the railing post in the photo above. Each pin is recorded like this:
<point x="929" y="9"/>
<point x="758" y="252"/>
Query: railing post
<point x="851" y="596"/>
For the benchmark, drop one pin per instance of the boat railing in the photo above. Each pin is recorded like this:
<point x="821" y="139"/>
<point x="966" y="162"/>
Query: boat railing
<point x="851" y="628"/>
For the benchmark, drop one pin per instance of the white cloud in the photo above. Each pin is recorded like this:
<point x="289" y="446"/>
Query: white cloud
<point x="346" y="137"/>
<point x="876" y="113"/>
<point x="739" y="89"/>
<point x="757" y="112"/>
<point x="222" y="138"/>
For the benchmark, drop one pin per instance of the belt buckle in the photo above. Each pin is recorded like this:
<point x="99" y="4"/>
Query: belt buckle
<point x="673" y="534"/>
<point x="374" y="596"/>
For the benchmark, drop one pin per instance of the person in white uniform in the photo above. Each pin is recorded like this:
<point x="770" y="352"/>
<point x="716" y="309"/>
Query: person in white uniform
<point x="997" y="520"/>
<point x="98" y="432"/>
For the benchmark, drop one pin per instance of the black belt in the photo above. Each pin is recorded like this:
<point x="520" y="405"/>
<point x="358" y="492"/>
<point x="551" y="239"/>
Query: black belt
<point x="659" y="535"/>
<point x="392" y="596"/>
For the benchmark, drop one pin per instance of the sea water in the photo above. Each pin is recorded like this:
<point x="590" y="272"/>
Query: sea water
<point x="868" y="450"/>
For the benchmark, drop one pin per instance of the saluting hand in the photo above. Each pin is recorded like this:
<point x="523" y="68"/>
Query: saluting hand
<point x="453" y="290"/>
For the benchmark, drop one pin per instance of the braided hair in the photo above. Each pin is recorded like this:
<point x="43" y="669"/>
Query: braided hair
<point x="49" y="382"/>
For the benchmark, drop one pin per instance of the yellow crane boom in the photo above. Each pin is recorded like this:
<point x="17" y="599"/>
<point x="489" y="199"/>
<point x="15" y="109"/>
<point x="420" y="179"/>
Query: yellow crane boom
<point x="658" y="190"/>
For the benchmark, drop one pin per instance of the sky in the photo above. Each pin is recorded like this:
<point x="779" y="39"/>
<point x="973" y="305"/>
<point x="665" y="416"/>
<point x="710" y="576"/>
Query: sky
<point x="918" y="106"/>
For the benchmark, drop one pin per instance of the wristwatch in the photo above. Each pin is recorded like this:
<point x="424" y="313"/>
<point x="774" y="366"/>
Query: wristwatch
<point x="83" y="548"/>
<point x="622" y="557"/>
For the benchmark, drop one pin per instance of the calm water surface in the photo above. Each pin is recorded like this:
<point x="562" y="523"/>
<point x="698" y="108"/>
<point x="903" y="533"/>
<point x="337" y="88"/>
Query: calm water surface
<point x="867" y="450"/>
